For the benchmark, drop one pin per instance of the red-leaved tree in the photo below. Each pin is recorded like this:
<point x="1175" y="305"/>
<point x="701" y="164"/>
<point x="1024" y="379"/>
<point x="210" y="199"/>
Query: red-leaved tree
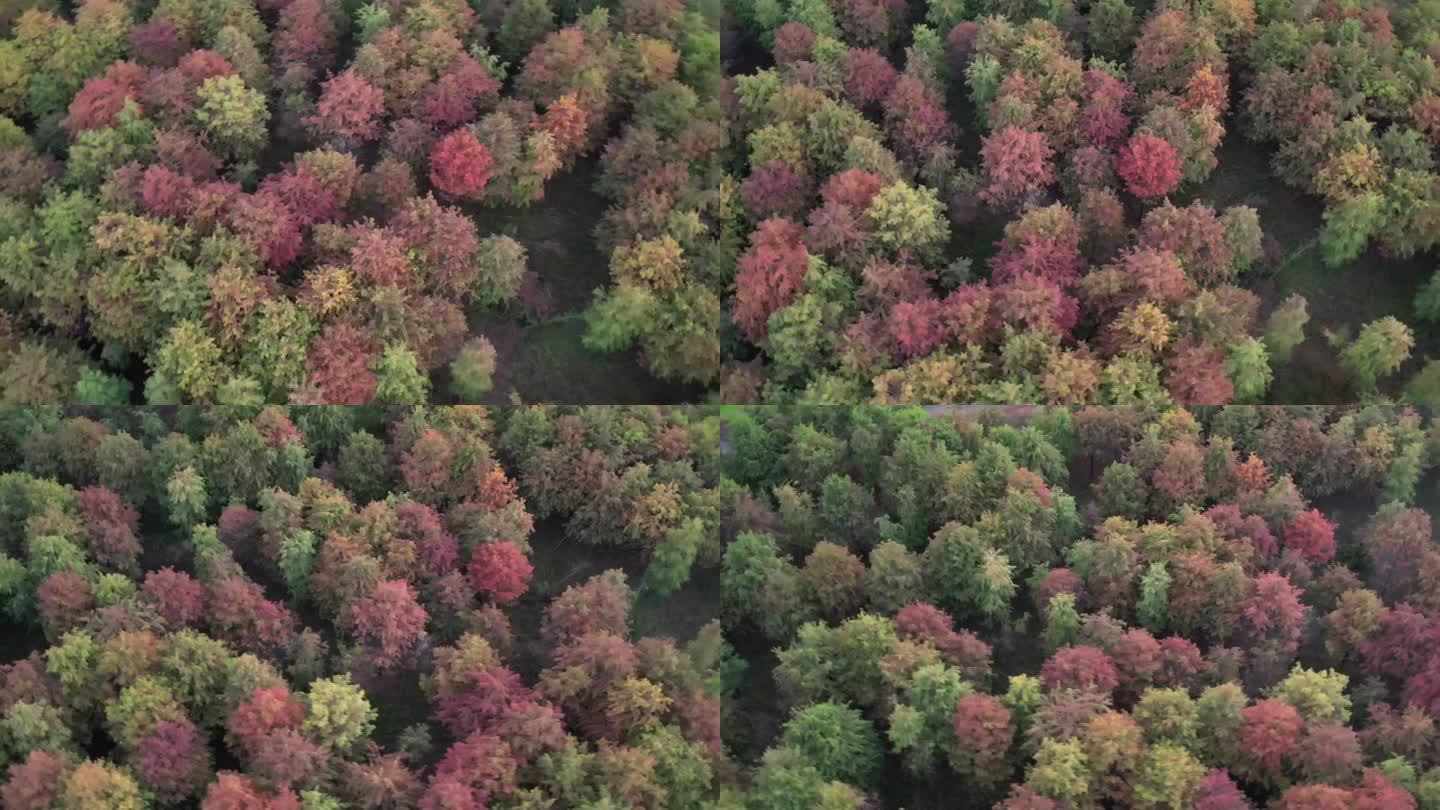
<point x="500" y="570"/>
<point x="388" y="621"/>
<point x="1311" y="534"/>
<point x="459" y="164"/>
<point x="770" y="275"/>
<point x="1149" y="165"/>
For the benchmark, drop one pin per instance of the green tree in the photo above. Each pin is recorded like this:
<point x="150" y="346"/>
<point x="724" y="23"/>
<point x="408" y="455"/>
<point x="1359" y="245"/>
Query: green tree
<point x="1060" y="771"/>
<point x="1427" y="302"/>
<point x="98" y="388"/>
<point x="838" y="741"/>
<point x="1424" y="388"/>
<point x="618" y="317"/>
<point x="1247" y="364"/>
<point x="1153" y="606"/>
<point x="140" y="707"/>
<point x="30" y="726"/>
<point x="1167" y="715"/>
<point x="275" y="347"/>
<point x="966" y="577"/>
<point x="190" y="361"/>
<point x="1286" y="328"/>
<point x="337" y="714"/>
<point x="1122" y="492"/>
<point x="297" y="556"/>
<point x="233" y="115"/>
<point x="1170" y="777"/>
<point x="398" y="378"/>
<point x="670" y="564"/>
<point x="1377" y="352"/>
<point x="1062" y="622"/>
<point x="473" y="369"/>
<point x="1319" y="695"/>
<point x="525" y="23"/>
<point x="186" y="496"/>
<point x="921" y="725"/>
<point x="1404" y="473"/>
<point x="1111" y="29"/>
<point x="910" y="219"/>
<point x="1349" y="224"/>
<point x="893" y="578"/>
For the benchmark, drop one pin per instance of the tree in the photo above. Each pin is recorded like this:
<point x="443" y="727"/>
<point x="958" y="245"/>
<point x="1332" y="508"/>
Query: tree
<point x="1170" y="777"/>
<point x="398" y="379"/>
<point x="1271" y="619"/>
<point x="1149" y="165"/>
<point x="1060" y="770"/>
<point x="1286" y="327"/>
<point x="388" y="622"/>
<point x="35" y="780"/>
<point x="174" y="595"/>
<point x="908" y="220"/>
<point x="499" y="269"/>
<point x="188" y="363"/>
<point x="1312" y="535"/>
<point x="1081" y="668"/>
<point x="232" y="790"/>
<point x="349" y="108"/>
<point x="233" y="115"/>
<point x="893" y="577"/>
<point x="1377" y="352"/>
<point x="1219" y="792"/>
<point x="983" y="735"/>
<point x="187" y="497"/>
<point x="1151" y="609"/>
<point x="1062" y="622"/>
<point x="173" y="760"/>
<point x="1111" y="29"/>
<point x="1319" y="696"/>
<point x="966" y="577"/>
<point x="1196" y="375"/>
<point x="499" y="569"/>
<point x="670" y="567"/>
<point x="1247" y="364"/>
<point x="1349" y="224"/>
<point x="837" y="740"/>
<point x="97" y="784"/>
<point x="832" y="579"/>
<point x="266" y="710"/>
<point x="337" y="714"/>
<point x="472" y="370"/>
<point x="1017" y="167"/>
<point x="770" y="275"/>
<point x="460" y="165"/>
<point x="1271" y="731"/>
<point x="63" y="599"/>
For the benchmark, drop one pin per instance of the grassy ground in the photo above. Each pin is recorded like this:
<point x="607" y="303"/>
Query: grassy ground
<point x="545" y="361"/>
<point x="1344" y="298"/>
<point x="561" y="562"/>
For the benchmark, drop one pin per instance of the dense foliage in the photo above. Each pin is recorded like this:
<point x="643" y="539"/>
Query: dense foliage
<point x="251" y="201"/>
<point x="882" y="147"/>
<point x="327" y="607"/>
<point x="1234" y="609"/>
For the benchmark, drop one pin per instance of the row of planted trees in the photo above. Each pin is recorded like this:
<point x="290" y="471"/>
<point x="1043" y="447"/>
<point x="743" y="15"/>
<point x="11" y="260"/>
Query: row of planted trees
<point x="229" y="608"/>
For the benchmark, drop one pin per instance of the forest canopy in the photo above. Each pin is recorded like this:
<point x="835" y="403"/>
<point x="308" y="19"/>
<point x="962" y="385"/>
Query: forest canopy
<point x="264" y="201"/>
<point x="1090" y="607"/>
<point x="1118" y="202"/>
<point x="322" y="607"/>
